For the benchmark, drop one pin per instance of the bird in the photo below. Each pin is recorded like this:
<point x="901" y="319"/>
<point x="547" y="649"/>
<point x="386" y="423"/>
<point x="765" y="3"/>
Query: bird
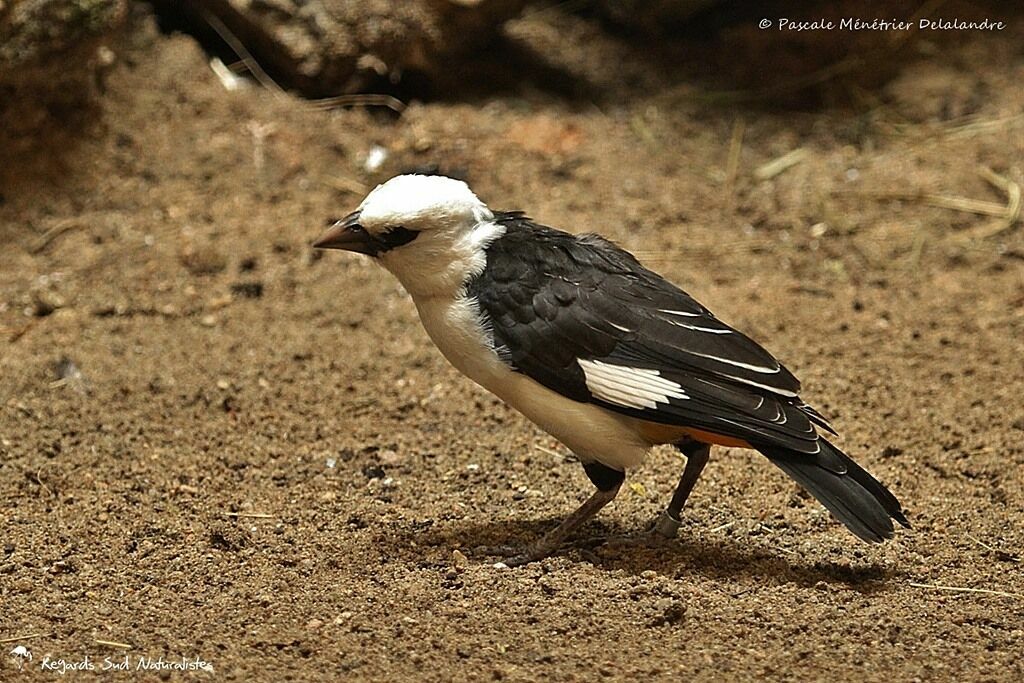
<point x="603" y="354"/>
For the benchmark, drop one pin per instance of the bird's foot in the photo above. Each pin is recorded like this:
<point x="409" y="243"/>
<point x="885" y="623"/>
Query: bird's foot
<point x="523" y="558"/>
<point x="513" y="556"/>
<point x="656" y="535"/>
<point x="638" y="539"/>
<point x="666" y="526"/>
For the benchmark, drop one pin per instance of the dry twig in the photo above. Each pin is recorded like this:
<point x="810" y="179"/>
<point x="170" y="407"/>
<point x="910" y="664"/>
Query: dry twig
<point x="962" y="589"/>
<point x="113" y="643"/>
<point x="243" y="52"/>
<point x="30" y="636"/>
<point x="360" y="100"/>
<point x="774" y="167"/>
<point x="732" y="163"/>
<point x="61" y="227"/>
<point x="1008" y="213"/>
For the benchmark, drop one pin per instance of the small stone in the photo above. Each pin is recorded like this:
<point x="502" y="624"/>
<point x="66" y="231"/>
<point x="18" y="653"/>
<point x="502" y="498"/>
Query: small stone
<point x="247" y="290"/>
<point x="203" y="260"/>
<point x="459" y="559"/>
<point x="375" y="158"/>
<point x="43" y="304"/>
<point x="373" y="472"/>
<point x="389" y="457"/>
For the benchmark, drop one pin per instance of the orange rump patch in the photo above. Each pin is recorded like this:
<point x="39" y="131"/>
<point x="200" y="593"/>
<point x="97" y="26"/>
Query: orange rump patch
<point x="658" y="433"/>
<point x="717" y="439"/>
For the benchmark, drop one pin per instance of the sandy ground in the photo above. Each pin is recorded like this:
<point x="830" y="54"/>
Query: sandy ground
<point x="252" y="455"/>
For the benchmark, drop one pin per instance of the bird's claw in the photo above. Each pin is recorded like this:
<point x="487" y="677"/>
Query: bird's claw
<point x="513" y="556"/>
<point x="656" y="535"/>
<point x="519" y="560"/>
<point x="496" y="551"/>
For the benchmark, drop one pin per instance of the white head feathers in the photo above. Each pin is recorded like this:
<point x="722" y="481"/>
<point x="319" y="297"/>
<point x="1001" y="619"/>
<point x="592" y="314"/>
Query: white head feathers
<point x="453" y="228"/>
<point x="421" y="202"/>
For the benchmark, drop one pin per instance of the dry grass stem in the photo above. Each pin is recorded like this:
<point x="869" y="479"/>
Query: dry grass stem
<point x="549" y="451"/>
<point x="732" y="163"/>
<point x="962" y="589"/>
<point x="30" y="636"/>
<point x="243" y="53"/>
<point x="62" y="226"/>
<point x="113" y="643"/>
<point x="347" y="185"/>
<point x="360" y="100"/>
<point x="780" y="165"/>
<point x="1009" y="213"/>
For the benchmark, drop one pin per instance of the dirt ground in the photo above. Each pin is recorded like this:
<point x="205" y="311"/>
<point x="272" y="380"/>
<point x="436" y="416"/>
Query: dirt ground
<point x="218" y="444"/>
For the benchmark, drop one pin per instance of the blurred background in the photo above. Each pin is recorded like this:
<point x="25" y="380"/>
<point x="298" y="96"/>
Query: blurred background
<point x="218" y="443"/>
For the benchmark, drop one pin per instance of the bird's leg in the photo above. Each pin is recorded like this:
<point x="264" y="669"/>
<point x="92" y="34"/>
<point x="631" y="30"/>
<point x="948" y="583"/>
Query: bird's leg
<point x="551" y="541"/>
<point x="608" y="481"/>
<point x="697" y="454"/>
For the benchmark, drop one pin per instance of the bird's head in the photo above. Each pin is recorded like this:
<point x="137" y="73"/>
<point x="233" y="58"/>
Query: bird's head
<point x="428" y="230"/>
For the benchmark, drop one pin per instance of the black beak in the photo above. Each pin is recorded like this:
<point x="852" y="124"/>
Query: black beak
<point x="347" y="234"/>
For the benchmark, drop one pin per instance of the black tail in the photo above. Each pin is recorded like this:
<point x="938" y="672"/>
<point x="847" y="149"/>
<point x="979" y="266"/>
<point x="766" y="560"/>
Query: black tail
<point x="856" y="498"/>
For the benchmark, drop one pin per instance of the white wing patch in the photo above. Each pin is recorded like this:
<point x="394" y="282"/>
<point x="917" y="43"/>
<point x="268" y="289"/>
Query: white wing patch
<point x="629" y="387"/>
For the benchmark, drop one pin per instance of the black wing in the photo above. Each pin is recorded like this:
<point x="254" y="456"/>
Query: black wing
<point x="573" y="312"/>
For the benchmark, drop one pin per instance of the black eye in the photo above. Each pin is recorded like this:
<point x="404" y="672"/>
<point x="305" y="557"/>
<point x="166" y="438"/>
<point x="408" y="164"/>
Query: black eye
<point x="396" y="237"/>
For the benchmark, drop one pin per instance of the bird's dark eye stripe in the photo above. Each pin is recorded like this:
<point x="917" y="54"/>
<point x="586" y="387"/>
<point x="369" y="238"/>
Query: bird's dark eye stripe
<point x="396" y="237"/>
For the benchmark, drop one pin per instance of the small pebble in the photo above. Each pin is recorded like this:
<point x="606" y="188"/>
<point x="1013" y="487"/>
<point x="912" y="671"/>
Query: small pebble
<point x="375" y="158"/>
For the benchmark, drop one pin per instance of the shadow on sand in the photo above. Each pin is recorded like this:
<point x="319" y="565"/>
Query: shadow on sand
<point x="690" y="555"/>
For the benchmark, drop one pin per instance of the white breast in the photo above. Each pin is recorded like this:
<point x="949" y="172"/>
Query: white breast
<point x="592" y="433"/>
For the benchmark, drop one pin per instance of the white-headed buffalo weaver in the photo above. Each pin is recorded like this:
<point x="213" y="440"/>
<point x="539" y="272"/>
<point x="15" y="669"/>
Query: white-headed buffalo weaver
<point x="600" y="352"/>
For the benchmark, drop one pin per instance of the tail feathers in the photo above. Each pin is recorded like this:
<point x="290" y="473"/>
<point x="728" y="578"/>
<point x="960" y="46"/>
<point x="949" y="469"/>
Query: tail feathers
<point x="857" y="499"/>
